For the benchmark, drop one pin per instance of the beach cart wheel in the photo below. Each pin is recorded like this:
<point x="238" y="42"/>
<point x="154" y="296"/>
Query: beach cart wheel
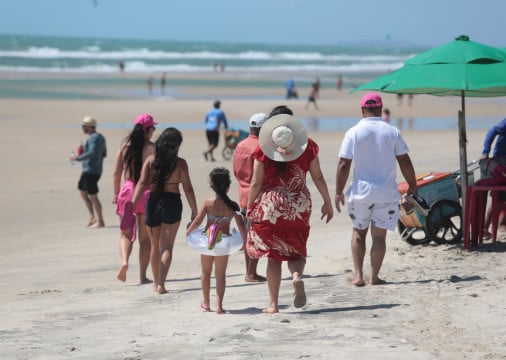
<point x="443" y="224"/>
<point x="413" y="235"/>
<point x="227" y="153"/>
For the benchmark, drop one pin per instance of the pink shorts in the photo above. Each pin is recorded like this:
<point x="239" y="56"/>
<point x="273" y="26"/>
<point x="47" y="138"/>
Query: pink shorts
<point x="126" y="193"/>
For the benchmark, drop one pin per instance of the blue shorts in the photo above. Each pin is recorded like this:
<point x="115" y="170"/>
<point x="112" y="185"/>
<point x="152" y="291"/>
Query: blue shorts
<point x="164" y="208"/>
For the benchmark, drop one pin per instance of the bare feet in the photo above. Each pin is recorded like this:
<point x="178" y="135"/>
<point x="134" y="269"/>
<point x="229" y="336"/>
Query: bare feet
<point x="270" y="310"/>
<point x="254" y="278"/>
<point x="91" y="222"/>
<point x="378" y="281"/>
<point x="145" y="280"/>
<point x="161" y="289"/>
<point x="122" y="273"/>
<point x="221" y="311"/>
<point x="205" y="307"/>
<point x="300" y="295"/>
<point x="97" y="225"/>
<point x="358" y="281"/>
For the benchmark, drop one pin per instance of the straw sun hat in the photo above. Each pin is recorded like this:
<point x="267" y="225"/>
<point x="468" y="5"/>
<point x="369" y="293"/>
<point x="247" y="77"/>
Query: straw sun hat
<point x="89" y="121"/>
<point x="283" y="138"/>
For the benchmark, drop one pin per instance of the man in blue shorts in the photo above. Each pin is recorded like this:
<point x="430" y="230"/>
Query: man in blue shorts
<point x="215" y="117"/>
<point x="92" y="159"/>
<point x="373" y="199"/>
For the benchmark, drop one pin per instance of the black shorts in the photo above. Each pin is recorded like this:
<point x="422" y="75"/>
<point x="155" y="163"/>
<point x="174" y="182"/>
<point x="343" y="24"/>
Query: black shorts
<point x="88" y="183"/>
<point x="164" y="208"/>
<point x="213" y="137"/>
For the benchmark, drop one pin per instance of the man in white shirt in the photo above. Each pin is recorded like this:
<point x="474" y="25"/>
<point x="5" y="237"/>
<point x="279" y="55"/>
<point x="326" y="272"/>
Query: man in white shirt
<point x="373" y="199"/>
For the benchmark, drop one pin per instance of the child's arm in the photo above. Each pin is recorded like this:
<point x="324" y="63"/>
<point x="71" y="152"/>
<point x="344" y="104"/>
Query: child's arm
<point x="198" y="219"/>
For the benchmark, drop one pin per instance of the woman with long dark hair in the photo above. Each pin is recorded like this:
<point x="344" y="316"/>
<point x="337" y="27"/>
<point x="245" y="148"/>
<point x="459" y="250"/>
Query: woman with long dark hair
<point x="164" y="172"/>
<point x="135" y="148"/>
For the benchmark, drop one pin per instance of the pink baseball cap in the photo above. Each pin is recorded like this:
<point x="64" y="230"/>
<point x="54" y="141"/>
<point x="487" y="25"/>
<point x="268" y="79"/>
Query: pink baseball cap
<point x="145" y="120"/>
<point x="371" y="100"/>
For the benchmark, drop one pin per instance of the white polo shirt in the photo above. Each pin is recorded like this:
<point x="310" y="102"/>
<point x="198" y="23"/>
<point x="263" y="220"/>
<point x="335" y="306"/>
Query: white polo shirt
<point x="373" y="145"/>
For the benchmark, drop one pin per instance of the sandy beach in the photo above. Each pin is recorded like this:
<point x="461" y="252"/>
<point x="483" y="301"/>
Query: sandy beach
<point x="60" y="298"/>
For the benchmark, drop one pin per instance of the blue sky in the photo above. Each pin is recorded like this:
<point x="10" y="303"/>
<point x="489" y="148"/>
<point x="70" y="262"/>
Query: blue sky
<point x="425" y="23"/>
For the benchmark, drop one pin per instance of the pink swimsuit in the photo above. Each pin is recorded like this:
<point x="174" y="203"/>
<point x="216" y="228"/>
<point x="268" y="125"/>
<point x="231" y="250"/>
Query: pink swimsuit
<point x="126" y="193"/>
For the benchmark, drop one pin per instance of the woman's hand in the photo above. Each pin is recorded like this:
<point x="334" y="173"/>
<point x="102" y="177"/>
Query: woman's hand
<point x="327" y="211"/>
<point x="339" y="201"/>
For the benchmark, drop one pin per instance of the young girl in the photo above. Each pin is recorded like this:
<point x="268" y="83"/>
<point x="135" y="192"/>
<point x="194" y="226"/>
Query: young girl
<point x="164" y="173"/>
<point x="220" y="210"/>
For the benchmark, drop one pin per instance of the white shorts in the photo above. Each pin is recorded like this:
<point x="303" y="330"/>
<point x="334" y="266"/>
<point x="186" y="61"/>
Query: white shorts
<point x="381" y="215"/>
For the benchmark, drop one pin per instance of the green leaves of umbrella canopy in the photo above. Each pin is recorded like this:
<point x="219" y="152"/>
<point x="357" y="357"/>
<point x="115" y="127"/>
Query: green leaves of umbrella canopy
<point x="460" y="51"/>
<point x="476" y="80"/>
<point x="460" y="65"/>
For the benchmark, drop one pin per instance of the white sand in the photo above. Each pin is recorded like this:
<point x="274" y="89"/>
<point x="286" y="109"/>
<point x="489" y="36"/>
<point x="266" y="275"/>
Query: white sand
<point x="60" y="298"/>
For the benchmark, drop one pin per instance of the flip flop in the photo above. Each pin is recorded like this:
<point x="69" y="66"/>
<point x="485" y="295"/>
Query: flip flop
<point x="128" y="219"/>
<point x="300" y="295"/>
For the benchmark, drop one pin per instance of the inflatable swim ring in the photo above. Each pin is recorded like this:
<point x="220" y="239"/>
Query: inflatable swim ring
<point x="229" y="244"/>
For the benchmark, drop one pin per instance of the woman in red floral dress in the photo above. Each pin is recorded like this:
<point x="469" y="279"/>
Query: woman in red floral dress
<point x="279" y="202"/>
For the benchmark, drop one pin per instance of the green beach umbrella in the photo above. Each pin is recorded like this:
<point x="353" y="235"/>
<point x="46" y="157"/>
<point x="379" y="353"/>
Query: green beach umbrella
<point x="458" y="68"/>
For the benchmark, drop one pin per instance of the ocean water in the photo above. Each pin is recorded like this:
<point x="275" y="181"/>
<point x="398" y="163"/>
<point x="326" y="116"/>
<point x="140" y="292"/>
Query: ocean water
<point x="84" y="55"/>
<point x="94" y="63"/>
<point x="92" y="66"/>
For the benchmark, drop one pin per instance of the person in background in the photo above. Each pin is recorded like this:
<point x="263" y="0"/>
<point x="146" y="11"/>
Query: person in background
<point x="214" y="118"/>
<point x="339" y="82"/>
<point x="496" y="133"/>
<point x="149" y="82"/>
<point x="163" y="83"/>
<point x="291" y="90"/>
<point x="317" y="86"/>
<point x="135" y="148"/>
<point x="92" y="158"/>
<point x="386" y="115"/>
<point x="164" y="172"/>
<point x="279" y="202"/>
<point x="375" y="147"/>
<point x="219" y="210"/>
<point x="243" y="172"/>
<point x="313" y="94"/>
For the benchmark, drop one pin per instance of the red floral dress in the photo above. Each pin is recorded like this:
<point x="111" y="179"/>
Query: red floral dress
<point x="279" y="216"/>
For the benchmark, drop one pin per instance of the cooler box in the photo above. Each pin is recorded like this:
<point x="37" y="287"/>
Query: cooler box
<point x="432" y="187"/>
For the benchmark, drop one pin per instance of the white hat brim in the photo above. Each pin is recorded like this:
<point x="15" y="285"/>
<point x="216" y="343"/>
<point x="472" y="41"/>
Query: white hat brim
<point x="268" y="147"/>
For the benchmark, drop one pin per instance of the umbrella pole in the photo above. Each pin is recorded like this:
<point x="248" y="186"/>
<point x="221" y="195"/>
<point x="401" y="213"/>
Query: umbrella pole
<point x="463" y="151"/>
